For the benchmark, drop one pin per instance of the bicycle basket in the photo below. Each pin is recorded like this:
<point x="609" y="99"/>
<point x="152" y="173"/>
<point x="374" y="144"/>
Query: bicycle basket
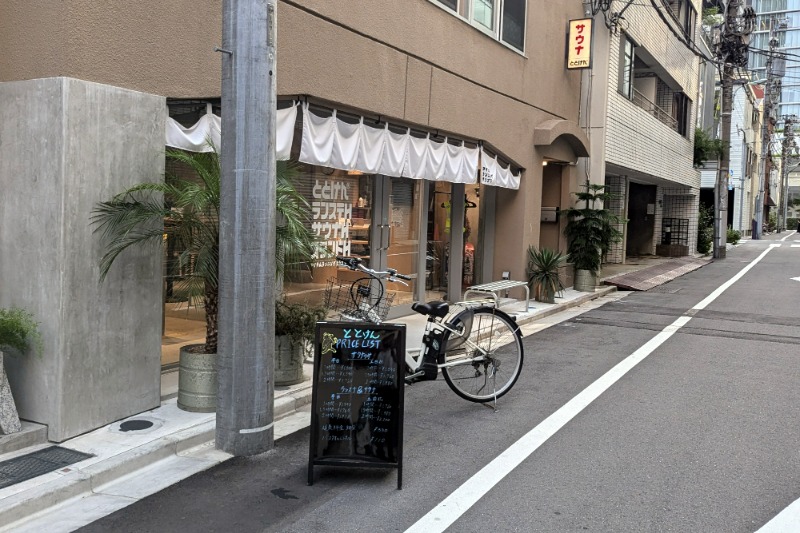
<point x="356" y="301"/>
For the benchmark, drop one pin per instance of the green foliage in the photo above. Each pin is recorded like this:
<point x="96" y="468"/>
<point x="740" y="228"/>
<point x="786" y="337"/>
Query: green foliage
<point x="772" y="225"/>
<point x="591" y="231"/>
<point x="705" y="229"/>
<point x="297" y="320"/>
<point x="706" y="148"/>
<point x="543" y="269"/>
<point x="712" y="17"/>
<point x="19" y="331"/>
<point x="791" y="223"/>
<point x="733" y="236"/>
<point x="187" y="210"/>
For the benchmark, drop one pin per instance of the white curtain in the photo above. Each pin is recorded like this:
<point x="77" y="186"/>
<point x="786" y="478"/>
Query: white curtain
<point x="196" y="138"/>
<point x="493" y="173"/>
<point x="332" y="142"/>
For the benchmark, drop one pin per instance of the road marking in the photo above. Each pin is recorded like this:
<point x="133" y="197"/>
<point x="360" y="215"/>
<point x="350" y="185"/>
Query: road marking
<point x="719" y="290"/>
<point x="785" y="522"/>
<point x="794" y="246"/>
<point x="464" y="497"/>
<point x="795" y="279"/>
<point x="792" y="233"/>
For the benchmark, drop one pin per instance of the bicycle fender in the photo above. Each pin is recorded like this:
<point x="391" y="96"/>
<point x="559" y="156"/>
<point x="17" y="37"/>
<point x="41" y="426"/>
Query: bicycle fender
<point x="464" y="318"/>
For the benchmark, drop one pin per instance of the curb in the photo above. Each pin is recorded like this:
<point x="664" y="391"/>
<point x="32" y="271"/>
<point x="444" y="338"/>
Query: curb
<point x="589" y="296"/>
<point x="78" y="483"/>
<point x="81" y="482"/>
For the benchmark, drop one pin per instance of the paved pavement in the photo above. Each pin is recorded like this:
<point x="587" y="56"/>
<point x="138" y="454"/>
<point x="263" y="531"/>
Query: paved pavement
<point x="129" y="465"/>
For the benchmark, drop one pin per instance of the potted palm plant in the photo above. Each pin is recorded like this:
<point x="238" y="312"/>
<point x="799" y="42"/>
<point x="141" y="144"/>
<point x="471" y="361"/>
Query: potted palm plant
<point x="543" y="277"/>
<point x="187" y="209"/>
<point x="590" y="232"/>
<point x="294" y="330"/>
<point x="19" y="334"/>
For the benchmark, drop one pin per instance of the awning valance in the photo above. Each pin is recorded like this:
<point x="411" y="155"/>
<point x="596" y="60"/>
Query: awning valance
<point x="196" y="138"/>
<point x="493" y="173"/>
<point x="332" y="142"/>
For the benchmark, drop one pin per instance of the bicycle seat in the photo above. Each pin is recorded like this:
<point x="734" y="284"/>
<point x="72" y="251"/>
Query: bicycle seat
<point x="437" y="308"/>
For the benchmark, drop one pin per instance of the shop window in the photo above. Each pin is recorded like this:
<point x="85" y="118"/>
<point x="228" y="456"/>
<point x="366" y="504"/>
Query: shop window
<point x="503" y="19"/>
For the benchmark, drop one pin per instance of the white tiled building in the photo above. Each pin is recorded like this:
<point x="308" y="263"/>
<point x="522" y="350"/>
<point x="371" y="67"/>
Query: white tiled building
<point x="641" y="103"/>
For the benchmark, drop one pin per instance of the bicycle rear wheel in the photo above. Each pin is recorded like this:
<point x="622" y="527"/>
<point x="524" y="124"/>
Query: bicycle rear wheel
<point x="491" y="355"/>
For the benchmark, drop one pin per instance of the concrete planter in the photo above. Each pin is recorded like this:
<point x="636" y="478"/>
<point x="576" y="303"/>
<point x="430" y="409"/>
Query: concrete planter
<point x="197" y="381"/>
<point x="585" y="280"/>
<point x="9" y="418"/>
<point x="288" y="361"/>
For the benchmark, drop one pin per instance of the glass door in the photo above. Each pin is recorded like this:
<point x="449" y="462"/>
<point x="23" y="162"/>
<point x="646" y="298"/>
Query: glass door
<point x="395" y="236"/>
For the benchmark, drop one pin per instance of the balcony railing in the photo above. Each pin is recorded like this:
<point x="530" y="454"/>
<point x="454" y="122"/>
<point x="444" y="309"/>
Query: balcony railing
<point x="660" y="115"/>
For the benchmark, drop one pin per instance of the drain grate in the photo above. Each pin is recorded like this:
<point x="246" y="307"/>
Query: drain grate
<point x="35" y="464"/>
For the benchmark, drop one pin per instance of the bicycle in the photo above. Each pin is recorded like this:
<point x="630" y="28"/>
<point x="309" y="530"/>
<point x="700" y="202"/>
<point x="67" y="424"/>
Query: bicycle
<point x="477" y="347"/>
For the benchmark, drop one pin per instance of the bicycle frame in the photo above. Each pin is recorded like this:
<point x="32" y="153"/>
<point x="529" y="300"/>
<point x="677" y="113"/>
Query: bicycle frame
<point x="413" y="363"/>
<point x="442" y="324"/>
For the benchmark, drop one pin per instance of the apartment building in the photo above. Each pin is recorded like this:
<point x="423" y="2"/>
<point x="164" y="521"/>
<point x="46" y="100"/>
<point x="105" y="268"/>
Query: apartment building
<point x="464" y="88"/>
<point x="744" y="153"/>
<point x="642" y="113"/>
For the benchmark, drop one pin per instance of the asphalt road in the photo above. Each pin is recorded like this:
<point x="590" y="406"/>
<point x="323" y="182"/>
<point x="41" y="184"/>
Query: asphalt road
<point x="700" y="436"/>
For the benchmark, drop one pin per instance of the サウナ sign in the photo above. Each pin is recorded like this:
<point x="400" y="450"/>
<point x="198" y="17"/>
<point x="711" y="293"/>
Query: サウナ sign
<point x="579" y="44"/>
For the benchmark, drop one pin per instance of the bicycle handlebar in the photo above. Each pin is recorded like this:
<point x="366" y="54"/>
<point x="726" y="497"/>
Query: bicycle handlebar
<point x="355" y="263"/>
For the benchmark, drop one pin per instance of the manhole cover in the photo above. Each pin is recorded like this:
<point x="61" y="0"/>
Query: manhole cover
<point x="35" y="464"/>
<point x="135" y="425"/>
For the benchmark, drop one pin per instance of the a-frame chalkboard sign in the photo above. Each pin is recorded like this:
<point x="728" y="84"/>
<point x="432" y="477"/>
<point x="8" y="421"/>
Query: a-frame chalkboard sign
<point x="357" y="399"/>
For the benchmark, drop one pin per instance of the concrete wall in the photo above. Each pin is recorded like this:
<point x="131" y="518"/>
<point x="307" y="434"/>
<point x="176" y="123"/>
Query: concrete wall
<point x="66" y="144"/>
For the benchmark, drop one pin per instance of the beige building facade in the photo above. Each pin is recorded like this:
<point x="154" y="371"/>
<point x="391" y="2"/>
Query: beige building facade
<point x="489" y="74"/>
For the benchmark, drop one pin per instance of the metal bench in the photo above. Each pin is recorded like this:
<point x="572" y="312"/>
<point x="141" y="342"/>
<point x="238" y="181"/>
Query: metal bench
<point x="493" y="288"/>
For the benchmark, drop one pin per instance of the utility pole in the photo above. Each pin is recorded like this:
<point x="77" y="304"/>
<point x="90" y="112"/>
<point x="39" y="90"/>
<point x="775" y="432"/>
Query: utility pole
<point x="772" y="91"/>
<point x="786" y="155"/>
<point x="732" y="50"/>
<point x="247" y="228"/>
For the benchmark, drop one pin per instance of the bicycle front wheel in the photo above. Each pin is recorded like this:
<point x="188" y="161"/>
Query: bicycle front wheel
<point x="488" y="358"/>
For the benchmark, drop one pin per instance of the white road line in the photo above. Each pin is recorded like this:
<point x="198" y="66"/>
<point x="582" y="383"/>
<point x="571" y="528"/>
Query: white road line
<point x="787" y="521"/>
<point x="792" y="233"/>
<point x="794" y="246"/>
<point x="714" y="295"/>
<point x="463" y="498"/>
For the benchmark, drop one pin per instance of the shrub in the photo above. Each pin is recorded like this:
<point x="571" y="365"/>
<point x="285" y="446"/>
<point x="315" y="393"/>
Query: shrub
<point x="19" y="331"/>
<point x="733" y="236"/>
<point x="705" y="229"/>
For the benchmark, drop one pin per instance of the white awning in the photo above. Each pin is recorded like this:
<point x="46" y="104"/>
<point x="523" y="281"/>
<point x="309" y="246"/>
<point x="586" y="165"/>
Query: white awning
<point x="492" y="173"/>
<point x="332" y="142"/>
<point x="196" y="138"/>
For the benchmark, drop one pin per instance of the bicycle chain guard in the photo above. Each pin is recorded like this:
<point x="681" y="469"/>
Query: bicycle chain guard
<point x="433" y="341"/>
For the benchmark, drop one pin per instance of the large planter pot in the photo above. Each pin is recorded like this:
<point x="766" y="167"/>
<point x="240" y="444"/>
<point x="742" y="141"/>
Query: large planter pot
<point x="9" y="418"/>
<point x="289" y="360"/>
<point x="544" y="294"/>
<point x="197" y="380"/>
<point x="585" y="280"/>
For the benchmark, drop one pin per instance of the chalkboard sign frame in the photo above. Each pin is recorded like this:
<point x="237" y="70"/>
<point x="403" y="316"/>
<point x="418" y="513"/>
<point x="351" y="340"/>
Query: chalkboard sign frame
<point x="321" y="358"/>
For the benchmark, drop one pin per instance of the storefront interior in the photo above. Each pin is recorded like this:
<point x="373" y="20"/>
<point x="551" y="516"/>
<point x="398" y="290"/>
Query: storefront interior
<point x="389" y="222"/>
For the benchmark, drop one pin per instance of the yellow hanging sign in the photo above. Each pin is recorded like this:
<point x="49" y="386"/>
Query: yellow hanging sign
<point x="579" y="44"/>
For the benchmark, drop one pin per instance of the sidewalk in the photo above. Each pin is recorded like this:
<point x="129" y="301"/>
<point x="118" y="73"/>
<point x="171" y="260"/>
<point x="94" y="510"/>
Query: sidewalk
<point x="128" y="465"/>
